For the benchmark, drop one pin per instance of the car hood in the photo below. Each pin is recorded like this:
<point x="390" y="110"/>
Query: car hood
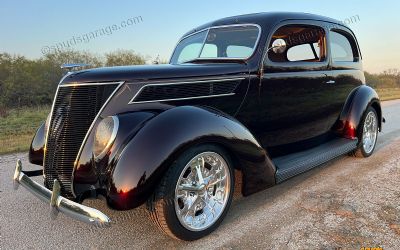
<point x="154" y="72"/>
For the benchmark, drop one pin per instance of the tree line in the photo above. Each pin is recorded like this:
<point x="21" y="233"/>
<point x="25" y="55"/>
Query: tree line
<point x="32" y="82"/>
<point x="387" y="79"/>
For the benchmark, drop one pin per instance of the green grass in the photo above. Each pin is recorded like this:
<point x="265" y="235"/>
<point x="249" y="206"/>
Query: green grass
<point x="386" y="94"/>
<point x="18" y="127"/>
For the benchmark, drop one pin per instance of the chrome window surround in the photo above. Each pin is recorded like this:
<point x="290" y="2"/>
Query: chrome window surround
<point x="91" y="126"/>
<point x="184" y="98"/>
<point x="218" y="27"/>
<point x="287" y="23"/>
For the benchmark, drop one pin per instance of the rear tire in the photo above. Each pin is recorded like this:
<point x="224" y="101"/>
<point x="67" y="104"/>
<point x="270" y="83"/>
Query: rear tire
<point x="367" y="134"/>
<point x="195" y="193"/>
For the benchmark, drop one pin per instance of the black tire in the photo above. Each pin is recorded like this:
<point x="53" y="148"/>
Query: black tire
<point x="161" y="205"/>
<point x="360" y="151"/>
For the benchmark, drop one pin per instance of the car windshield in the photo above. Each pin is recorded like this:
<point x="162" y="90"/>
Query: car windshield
<point x="225" y="42"/>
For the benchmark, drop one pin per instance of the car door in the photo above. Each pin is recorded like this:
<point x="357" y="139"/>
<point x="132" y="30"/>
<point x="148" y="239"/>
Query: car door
<point x="346" y="69"/>
<point x="293" y="95"/>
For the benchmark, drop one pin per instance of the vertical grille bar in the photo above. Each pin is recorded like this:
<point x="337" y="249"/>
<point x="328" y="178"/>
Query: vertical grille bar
<point x="75" y="108"/>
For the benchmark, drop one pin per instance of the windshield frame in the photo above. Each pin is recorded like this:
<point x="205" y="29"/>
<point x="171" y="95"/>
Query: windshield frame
<point x="219" y="58"/>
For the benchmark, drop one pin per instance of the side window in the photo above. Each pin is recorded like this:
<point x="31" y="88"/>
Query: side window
<point x="317" y="49"/>
<point x="302" y="52"/>
<point x="305" y="43"/>
<point x="341" y="48"/>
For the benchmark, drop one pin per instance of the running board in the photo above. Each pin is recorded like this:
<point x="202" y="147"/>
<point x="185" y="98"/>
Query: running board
<point x="291" y="165"/>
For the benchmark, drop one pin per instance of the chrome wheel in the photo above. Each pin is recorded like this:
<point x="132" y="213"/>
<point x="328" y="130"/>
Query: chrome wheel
<point x="202" y="191"/>
<point x="370" y="132"/>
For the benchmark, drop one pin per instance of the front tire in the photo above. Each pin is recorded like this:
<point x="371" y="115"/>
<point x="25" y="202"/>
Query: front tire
<point x="195" y="194"/>
<point x="367" y="134"/>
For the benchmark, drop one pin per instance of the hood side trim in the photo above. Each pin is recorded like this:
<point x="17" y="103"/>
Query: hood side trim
<point x="229" y="93"/>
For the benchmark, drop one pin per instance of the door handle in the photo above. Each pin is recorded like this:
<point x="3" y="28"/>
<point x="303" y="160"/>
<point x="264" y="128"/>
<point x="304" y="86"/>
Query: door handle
<point x="330" y="82"/>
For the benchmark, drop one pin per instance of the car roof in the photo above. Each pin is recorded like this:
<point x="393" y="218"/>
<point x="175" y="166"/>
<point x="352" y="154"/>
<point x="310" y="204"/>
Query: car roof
<point x="265" y="19"/>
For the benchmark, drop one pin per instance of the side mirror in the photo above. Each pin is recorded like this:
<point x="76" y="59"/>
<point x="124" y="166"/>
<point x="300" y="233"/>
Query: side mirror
<point x="278" y="46"/>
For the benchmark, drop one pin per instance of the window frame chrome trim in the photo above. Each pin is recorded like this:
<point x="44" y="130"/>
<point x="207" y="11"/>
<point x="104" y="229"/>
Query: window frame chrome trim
<point x="132" y="101"/>
<point x="307" y="22"/>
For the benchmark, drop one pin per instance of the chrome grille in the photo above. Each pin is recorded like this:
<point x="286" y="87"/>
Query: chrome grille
<point x="74" y="110"/>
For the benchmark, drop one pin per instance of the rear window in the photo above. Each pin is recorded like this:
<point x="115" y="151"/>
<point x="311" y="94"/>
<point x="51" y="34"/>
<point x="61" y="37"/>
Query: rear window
<point x="341" y="48"/>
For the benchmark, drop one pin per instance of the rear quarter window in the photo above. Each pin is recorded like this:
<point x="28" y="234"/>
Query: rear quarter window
<point x="343" y="47"/>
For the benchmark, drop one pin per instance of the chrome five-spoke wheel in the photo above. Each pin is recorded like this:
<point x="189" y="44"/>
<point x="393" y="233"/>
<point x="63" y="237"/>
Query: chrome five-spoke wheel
<point x="202" y="191"/>
<point x="195" y="193"/>
<point x="370" y="132"/>
<point x="367" y="133"/>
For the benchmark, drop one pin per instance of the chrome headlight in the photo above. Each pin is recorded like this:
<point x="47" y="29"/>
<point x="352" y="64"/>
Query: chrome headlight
<point x="105" y="135"/>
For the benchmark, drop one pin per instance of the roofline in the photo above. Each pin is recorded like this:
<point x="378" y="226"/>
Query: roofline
<point x="266" y="17"/>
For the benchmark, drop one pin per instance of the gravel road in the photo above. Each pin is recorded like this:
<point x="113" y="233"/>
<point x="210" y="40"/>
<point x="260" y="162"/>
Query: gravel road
<point x="348" y="203"/>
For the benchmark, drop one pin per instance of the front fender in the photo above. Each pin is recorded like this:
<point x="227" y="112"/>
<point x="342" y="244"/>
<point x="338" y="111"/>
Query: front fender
<point x="36" y="150"/>
<point x="356" y="104"/>
<point x="141" y="164"/>
<point x="90" y="174"/>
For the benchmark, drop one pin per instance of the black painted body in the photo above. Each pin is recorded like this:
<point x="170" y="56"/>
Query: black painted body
<point x="275" y="110"/>
<point x="37" y="146"/>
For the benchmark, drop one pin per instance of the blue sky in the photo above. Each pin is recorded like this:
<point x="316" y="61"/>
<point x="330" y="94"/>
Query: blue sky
<point x="28" y="26"/>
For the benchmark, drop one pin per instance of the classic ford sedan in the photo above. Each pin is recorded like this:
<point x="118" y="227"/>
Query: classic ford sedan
<point x="264" y="96"/>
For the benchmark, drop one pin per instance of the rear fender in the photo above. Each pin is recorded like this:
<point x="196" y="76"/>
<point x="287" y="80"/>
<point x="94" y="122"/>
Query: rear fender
<point x="356" y="104"/>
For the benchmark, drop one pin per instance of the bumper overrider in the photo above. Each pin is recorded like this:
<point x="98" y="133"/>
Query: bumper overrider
<point x="57" y="202"/>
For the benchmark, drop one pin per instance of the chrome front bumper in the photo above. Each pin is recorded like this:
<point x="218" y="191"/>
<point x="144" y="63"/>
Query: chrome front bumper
<point x="57" y="202"/>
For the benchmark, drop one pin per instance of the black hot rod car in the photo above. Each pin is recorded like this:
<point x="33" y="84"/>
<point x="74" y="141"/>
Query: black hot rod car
<point x="270" y="95"/>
